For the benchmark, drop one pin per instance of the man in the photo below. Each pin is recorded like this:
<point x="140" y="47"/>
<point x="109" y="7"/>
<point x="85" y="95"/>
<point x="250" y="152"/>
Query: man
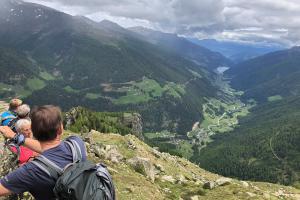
<point x="10" y="114"/>
<point x="47" y="130"/>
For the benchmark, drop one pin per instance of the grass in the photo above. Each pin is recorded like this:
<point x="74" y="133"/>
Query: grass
<point x="69" y="89"/>
<point x="275" y="98"/>
<point x="146" y="90"/>
<point x="35" y="84"/>
<point x="45" y="75"/>
<point x="92" y="96"/>
<point x="18" y="90"/>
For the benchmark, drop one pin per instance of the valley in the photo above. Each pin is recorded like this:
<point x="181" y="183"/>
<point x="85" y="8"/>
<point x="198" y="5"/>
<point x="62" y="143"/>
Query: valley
<point x="220" y="115"/>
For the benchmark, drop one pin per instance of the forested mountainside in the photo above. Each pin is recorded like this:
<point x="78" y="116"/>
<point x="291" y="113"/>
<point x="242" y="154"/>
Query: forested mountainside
<point x="71" y="61"/>
<point x="274" y="74"/>
<point x="200" y="55"/>
<point x="266" y="145"/>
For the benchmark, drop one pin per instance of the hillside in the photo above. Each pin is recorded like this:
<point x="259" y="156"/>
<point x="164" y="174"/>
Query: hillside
<point x="75" y="61"/>
<point x="199" y="54"/>
<point x="265" y="146"/>
<point x="274" y="74"/>
<point x="141" y="172"/>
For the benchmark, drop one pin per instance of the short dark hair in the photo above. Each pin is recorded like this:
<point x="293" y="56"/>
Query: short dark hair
<point x="46" y="122"/>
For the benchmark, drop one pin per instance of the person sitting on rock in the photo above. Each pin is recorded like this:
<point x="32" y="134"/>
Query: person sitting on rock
<point x="10" y="114"/>
<point x="47" y="130"/>
<point x="23" y="126"/>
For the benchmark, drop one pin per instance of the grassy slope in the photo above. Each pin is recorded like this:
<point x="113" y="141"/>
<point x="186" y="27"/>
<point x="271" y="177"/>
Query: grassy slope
<point x="132" y="185"/>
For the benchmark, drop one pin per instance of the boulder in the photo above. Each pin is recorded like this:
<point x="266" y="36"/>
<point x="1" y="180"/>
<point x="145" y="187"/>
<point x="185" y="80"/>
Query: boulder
<point x="143" y="166"/>
<point x="209" y="185"/>
<point x="245" y="184"/>
<point x="223" y="181"/>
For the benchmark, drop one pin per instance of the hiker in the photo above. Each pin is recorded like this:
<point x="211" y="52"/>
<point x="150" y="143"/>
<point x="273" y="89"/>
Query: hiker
<point x="10" y="114"/>
<point x="22" y="112"/>
<point x="47" y="130"/>
<point x="23" y="126"/>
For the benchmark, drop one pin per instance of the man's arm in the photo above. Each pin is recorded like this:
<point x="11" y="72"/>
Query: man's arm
<point x="30" y="143"/>
<point x="4" y="191"/>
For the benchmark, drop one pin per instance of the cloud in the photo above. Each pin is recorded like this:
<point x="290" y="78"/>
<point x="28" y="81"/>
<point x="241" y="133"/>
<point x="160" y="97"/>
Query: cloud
<point x="245" y="20"/>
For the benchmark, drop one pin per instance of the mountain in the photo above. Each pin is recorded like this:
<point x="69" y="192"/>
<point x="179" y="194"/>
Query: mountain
<point x="200" y="55"/>
<point x="236" y="51"/>
<point x="273" y="75"/>
<point x="71" y="61"/>
<point x="265" y="146"/>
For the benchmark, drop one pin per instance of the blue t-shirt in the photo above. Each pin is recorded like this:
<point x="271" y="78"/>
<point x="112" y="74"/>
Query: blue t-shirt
<point x="32" y="179"/>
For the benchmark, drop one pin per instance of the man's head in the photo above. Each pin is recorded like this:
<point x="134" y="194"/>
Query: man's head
<point x="23" y="126"/>
<point x="14" y="104"/>
<point x="46" y="122"/>
<point x="23" y="111"/>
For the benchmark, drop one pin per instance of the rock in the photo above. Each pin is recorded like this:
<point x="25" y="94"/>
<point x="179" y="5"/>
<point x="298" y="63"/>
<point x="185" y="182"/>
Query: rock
<point x="156" y="153"/>
<point x="194" y="197"/>
<point x="113" y="155"/>
<point x="134" y="122"/>
<point x="250" y="194"/>
<point x="159" y="167"/>
<point x="167" y="190"/>
<point x="209" y="185"/>
<point x="168" y="178"/>
<point x="143" y="166"/>
<point x="131" y="145"/>
<point x="245" y="184"/>
<point x="181" y="179"/>
<point x="223" y="181"/>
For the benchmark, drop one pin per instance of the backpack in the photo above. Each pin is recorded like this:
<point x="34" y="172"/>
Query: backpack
<point x="80" y="180"/>
<point x="6" y="117"/>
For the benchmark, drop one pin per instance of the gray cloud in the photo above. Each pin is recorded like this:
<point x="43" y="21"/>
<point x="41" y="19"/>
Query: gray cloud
<point x="244" y="20"/>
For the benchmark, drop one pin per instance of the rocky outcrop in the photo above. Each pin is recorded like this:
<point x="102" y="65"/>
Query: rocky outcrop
<point x="134" y="122"/>
<point x="143" y="166"/>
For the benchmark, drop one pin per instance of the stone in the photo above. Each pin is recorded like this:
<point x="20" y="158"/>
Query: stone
<point x="159" y="167"/>
<point x="131" y="145"/>
<point x="181" y="179"/>
<point x="245" y="184"/>
<point x="223" y="181"/>
<point x="156" y="153"/>
<point x="209" y="185"/>
<point x="143" y="166"/>
<point x="167" y="190"/>
<point x="250" y="194"/>
<point x="113" y="155"/>
<point x="194" y="197"/>
<point x="168" y="178"/>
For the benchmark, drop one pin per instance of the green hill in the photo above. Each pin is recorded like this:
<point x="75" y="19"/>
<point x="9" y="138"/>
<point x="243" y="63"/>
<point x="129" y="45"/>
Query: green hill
<point x="265" y="146"/>
<point x="101" y="66"/>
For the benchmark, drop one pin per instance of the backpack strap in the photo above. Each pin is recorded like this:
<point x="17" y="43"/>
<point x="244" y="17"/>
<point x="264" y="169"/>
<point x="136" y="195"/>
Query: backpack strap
<point x="51" y="168"/>
<point x="47" y="166"/>
<point x="75" y="148"/>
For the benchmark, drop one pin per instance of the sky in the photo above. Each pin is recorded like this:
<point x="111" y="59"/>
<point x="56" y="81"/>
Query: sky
<point x="252" y="21"/>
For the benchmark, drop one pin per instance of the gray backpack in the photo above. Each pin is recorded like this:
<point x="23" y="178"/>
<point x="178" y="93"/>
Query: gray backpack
<point x="80" y="180"/>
